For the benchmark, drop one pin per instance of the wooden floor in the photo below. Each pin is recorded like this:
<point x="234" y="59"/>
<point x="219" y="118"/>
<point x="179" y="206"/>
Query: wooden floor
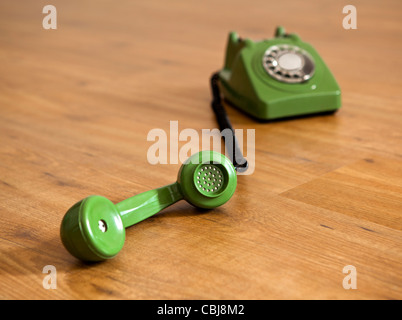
<point x="77" y="103"/>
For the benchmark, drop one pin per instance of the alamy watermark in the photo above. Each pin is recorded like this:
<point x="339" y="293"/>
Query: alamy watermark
<point x="165" y="148"/>
<point x="350" y="20"/>
<point x="50" y="280"/>
<point x="50" y="20"/>
<point x="350" y="281"/>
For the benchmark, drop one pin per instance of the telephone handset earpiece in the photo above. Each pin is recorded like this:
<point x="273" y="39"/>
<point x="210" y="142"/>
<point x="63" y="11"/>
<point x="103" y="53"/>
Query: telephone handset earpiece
<point x="94" y="228"/>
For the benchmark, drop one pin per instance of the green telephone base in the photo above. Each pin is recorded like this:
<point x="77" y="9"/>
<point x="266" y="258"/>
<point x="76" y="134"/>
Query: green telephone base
<point x="277" y="78"/>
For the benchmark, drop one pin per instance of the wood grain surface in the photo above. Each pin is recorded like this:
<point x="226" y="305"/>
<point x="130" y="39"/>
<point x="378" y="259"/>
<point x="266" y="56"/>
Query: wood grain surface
<point x="77" y="103"/>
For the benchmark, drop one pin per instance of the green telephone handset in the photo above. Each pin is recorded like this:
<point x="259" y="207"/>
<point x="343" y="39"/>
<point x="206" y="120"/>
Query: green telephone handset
<point x="277" y="78"/>
<point x="93" y="229"/>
